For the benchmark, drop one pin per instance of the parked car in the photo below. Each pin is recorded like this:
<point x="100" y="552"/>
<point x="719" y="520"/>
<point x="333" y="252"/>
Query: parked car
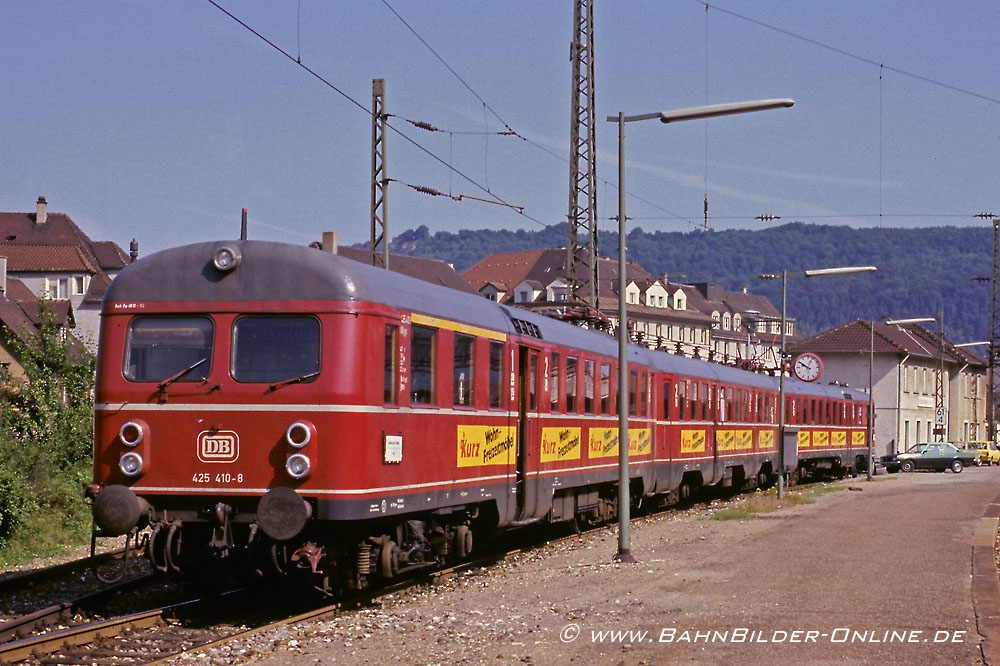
<point x="987" y="453"/>
<point x="931" y="455"/>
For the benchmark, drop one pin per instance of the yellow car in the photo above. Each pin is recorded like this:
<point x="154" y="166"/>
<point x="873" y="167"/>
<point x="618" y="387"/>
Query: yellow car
<point x="989" y="454"/>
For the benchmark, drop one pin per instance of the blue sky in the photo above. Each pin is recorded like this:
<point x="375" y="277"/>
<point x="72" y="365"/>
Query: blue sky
<point x="161" y="120"/>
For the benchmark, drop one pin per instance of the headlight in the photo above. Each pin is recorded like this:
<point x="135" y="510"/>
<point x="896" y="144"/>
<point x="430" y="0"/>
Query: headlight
<point x="131" y="433"/>
<point x="300" y="433"/>
<point x="130" y="464"/>
<point x="297" y="466"/>
<point x="226" y="258"/>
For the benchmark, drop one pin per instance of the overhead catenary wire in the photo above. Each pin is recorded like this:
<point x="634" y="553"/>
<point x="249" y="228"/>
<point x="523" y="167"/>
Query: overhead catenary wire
<point x="510" y="131"/>
<point x="849" y="54"/>
<point x="358" y="104"/>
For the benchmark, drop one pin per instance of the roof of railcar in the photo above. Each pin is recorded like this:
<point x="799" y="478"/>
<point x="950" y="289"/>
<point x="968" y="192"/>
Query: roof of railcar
<point x="280" y="271"/>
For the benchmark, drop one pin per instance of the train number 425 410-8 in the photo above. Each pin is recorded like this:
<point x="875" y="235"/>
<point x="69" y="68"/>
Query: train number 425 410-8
<point x="221" y="477"/>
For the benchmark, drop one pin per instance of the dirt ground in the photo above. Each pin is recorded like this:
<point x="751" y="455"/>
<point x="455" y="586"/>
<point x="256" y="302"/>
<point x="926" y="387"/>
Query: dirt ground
<point x="879" y="573"/>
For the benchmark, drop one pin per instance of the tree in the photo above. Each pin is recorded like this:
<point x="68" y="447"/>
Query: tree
<point x="46" y="432"/>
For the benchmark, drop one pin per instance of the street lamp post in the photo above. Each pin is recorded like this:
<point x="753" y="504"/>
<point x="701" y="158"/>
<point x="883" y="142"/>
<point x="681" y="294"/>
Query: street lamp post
<point x="901" y="322"/>
<point x="784" y="275"/>
<point x="975" y="394"/>
<point x="624" y="541"/>
<point x="869" y="435"/>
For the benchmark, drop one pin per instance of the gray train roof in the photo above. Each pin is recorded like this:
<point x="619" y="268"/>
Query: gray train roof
<point x="280" y="271"/>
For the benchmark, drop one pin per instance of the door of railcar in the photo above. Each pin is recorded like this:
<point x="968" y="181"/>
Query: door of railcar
<point x="527" y="432"/>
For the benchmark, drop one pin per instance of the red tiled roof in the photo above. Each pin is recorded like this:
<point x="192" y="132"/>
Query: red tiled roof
<point x="17" y="291"/>
<point x="58" y="231"/>
<point x="110" y="256"/>
<point x="434" y="271"/>
<point x="98" y="285"/>
<point x="20" y="310"/>
<point x="62" y="312"/>
<point x="47" y="258"/>
<point x="858" y="337"/>
<point x="544" y="267"/>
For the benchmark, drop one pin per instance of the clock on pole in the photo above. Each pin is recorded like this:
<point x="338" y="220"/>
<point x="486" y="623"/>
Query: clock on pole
<point x="808" y="367"/>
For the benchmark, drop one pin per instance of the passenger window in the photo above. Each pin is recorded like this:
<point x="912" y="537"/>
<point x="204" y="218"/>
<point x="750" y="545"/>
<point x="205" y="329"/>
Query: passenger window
<point x="695" y="409"/>
<point x="644" y="395"/>
<point x="682" y="400"/>
<point x="422" y="365"/>
<point x="588" y="387"/>
<point x="496" y="373"/>
<point x="390" y="367"/>
<point x="157" y="348"/>
<point x="533" y="382"/>
<point x="554" y="384"/>
<point x="570" y="384"/>
<point x="462" y="374"/>
<point x="633" y="379"/>
<point x="666" y="400"/>
<point x="605" y="388"/>
<point x="275" y="348"/>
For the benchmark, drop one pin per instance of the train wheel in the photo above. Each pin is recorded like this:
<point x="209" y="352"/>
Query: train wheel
<point x="389" y="560"/>
<point x="463" y="542"/>
<point x="796" y="478"/>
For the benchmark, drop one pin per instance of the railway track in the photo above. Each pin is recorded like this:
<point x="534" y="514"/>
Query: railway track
<point x="152" y="636"/>
<point x="71" y="633"/>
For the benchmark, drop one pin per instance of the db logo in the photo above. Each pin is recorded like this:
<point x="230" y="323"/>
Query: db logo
<point x="218" y="446"/>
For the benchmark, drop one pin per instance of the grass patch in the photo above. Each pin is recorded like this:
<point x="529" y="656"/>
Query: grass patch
<point x="768" y="502"/>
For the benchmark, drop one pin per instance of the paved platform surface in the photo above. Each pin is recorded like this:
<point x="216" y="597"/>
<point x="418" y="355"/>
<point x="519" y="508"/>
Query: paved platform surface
<point x="896" y="571"/>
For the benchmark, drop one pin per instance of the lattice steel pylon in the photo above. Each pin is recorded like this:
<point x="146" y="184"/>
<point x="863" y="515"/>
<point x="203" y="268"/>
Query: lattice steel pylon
<point x="380" y="179"/>
<point x="994" y="350"/>
<point x="940" y="407"/>
<point x="581" y="258"/>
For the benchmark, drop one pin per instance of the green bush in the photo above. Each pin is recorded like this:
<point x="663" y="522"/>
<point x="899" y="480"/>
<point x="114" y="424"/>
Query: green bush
<point x="46" y="431"/>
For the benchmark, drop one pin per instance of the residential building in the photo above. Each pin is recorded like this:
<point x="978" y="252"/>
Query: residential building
<point x="904" y="377"/>
<point x="430" y="270"/>
<point x="663" y="314"/>
<point x="55" y="259"/>
<point x="746" y="327"/>
<point x="20" y="316"/>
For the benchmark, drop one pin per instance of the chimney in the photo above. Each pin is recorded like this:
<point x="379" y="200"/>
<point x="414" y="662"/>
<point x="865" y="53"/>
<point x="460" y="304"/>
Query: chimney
<point x="133" y="251"/>
<point x="42" y="212"/>
<point x="3" y="275"/>
<point x="330" y="242"/>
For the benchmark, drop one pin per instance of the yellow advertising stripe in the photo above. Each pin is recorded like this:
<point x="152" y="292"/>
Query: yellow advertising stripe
<point x="424" y="320"/>
<point x="560" y="444"/>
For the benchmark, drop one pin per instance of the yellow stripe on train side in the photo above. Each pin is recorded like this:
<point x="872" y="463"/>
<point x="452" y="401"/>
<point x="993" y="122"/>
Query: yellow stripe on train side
<point x="424" y="320"/>
<point x="486" y="445"/>
<point x="603" y="442"/>
<point x="560" y="444"/>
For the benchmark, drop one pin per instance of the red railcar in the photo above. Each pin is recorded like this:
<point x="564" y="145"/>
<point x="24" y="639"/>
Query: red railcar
<point x="277" y="408"/>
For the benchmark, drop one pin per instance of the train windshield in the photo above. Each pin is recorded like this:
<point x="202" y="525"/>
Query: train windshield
<point x="275" y="348"/>
<point x="159" y="348"/>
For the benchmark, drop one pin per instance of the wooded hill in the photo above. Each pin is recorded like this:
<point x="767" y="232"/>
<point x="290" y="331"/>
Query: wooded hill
<point x="919" y="270"/>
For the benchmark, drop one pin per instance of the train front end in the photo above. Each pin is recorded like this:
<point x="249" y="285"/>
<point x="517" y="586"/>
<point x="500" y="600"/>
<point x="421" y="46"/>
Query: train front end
<point x="217" y="367"/>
